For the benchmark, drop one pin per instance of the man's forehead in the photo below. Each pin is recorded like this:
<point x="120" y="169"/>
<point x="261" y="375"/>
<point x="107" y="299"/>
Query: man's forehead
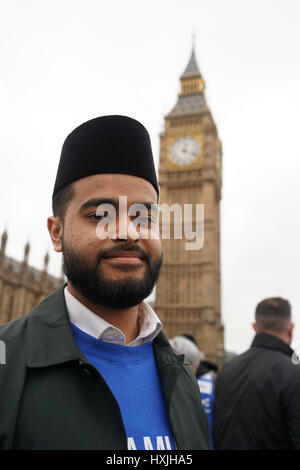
<point x="112" y="186"/>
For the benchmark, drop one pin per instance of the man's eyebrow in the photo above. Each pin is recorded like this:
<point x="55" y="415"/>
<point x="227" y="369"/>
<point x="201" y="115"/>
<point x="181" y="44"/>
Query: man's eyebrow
<point x="149" y="205"/>
<point x="95" y="202"/>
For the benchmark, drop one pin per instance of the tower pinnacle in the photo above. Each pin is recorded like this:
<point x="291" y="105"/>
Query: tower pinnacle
<point x="192" y="69"/>
<point x="191" y="99"/>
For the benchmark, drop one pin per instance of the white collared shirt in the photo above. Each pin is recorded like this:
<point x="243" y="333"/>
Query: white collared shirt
<point x="93" y="325"/>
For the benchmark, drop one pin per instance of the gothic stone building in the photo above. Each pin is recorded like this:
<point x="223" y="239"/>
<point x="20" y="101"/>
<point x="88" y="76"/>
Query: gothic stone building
<point x="21" y="285"/>
<point x="188" y="291"/>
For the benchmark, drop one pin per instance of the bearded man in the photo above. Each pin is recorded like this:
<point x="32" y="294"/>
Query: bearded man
<point x="89" y="367"/>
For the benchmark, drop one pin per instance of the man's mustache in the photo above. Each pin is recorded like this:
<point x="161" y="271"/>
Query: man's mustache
<point x="135" y="249"/>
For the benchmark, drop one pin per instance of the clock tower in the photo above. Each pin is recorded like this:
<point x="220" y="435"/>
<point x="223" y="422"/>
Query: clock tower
<point x="188" y="291"/>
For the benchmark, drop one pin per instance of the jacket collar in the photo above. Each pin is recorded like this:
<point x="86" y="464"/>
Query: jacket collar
<point x="50" y="338"/>
<point x="264" y="340"/>
<point x="169" y="365"/>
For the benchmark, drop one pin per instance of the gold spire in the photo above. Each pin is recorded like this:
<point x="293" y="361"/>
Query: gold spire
<point x="191" y="79"/>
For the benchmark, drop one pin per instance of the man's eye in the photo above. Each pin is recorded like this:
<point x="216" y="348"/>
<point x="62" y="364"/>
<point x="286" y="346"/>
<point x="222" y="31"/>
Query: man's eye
<point x="146" y="220"/>
<point x="96" y="216"/>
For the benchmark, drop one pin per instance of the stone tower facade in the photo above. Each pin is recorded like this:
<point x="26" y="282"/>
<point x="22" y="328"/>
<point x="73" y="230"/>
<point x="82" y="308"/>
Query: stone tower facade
<point x="190" y="172"/>
<point x="21" y="285"/>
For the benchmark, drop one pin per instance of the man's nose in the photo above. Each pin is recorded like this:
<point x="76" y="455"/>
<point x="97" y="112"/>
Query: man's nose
<point x="126" y="229"/>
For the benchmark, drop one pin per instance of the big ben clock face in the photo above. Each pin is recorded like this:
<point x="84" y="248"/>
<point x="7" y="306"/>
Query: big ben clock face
<point x="184" y="151"/>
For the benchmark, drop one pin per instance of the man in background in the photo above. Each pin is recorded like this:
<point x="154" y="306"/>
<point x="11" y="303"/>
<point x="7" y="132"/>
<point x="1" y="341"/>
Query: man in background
<point x="185" y="345"/>
<point x="257" y="394"/>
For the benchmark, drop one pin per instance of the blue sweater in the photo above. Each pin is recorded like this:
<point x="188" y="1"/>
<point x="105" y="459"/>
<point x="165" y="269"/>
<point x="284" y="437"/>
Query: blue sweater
<point x="131" y="374"/>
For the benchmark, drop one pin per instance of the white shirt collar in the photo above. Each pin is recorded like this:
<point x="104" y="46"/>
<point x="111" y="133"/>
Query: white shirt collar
<point x="95" y="326"/>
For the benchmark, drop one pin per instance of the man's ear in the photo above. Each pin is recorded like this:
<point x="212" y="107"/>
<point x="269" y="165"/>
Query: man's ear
<point x="254" y="326"/>
<point x="55" y="229"/>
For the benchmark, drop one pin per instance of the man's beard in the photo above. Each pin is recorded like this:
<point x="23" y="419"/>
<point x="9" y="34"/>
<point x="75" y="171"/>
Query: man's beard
<point x="92" y="283"/>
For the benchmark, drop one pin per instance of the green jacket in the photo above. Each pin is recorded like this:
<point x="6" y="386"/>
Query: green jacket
<point x="51" y="397"/>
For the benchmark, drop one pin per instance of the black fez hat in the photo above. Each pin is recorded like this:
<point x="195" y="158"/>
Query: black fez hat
<point x="107" y="144"/>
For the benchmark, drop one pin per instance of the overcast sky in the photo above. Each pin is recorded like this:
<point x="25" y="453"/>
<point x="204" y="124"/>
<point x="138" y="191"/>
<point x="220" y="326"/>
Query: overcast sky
<point x="66" y="61"/>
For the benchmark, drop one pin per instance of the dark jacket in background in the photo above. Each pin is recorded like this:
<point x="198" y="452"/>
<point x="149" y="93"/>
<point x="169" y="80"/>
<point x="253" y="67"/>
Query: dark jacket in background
<point x="51" y="397"/>
<point x="257" y="398"/>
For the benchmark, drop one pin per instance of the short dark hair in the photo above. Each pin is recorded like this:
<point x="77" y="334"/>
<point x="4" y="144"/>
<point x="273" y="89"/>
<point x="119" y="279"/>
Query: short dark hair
<point x="61" y="200"/>
<point x="273" y="314"/>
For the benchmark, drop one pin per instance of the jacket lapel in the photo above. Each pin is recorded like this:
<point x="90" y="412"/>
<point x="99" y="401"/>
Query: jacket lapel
<point x="169" y="364"/>
<point x="50" y="338"/>
<point x="181" y="391"/>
